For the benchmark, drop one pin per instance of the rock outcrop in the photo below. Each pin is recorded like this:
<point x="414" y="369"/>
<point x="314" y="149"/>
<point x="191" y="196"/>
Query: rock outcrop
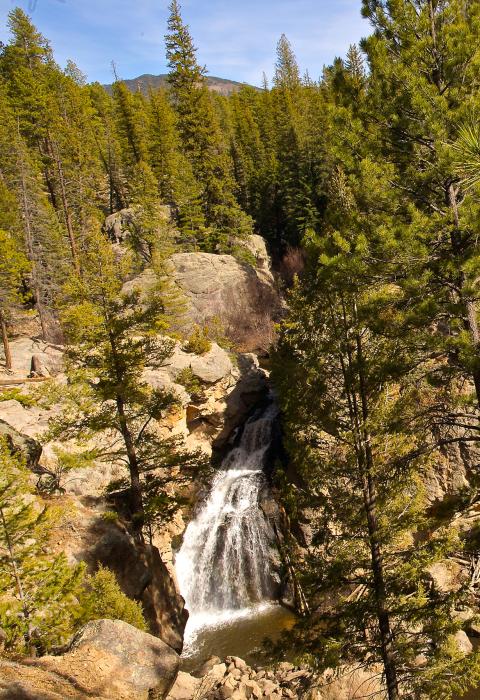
<point x="242" y="298"/>
<point x="219" y="290"/>
<point x="47" y="358"/>
<point x="25" y="447"/>
<point x="108" y="660"/>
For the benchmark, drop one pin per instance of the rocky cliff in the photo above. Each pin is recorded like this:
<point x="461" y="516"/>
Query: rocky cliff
<point x="224" y="385"/>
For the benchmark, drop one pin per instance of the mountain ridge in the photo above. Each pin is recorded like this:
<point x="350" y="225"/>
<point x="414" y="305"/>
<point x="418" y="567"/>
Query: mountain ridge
<point x="223" y="86"/>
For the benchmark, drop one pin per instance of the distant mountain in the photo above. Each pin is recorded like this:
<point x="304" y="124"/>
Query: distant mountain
<point x="143" y="82"/>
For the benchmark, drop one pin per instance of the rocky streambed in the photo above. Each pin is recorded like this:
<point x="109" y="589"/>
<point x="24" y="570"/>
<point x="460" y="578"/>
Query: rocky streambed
<point x="234" y="679"/>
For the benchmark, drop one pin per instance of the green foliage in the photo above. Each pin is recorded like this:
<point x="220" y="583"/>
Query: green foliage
<point x="198" y="341"/>
<point x="16" y="394"/>
<point x="110" y="516"/>
<point x="190" y="381"/>
<point x="103" y="598"/>
<point x="38" y="592"/>
<point x="114" y="335"/>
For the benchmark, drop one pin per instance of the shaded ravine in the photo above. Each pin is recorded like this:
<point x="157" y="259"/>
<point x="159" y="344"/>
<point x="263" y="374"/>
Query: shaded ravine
<point x="223" y="567"/>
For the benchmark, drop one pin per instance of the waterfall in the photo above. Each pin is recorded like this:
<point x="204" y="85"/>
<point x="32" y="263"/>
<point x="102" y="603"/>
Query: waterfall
<point x="223" y="566"/>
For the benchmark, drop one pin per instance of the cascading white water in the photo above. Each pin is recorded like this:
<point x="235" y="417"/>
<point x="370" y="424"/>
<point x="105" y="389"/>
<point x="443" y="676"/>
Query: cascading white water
<point x="223" y="567"/>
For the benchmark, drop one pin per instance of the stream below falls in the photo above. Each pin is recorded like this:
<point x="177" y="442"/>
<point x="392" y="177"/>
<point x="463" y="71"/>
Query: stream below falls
<point x="224" y="565"/>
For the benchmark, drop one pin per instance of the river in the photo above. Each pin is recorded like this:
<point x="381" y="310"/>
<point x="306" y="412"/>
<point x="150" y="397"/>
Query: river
<point x="223" y="565"/>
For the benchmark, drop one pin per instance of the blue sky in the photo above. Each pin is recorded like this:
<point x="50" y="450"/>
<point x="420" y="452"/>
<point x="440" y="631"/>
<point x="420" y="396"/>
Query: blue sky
<point x="235" y="38"/>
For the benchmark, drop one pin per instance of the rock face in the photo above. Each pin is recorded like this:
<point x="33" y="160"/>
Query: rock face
<point x="48" y="357"/>
<point x="25" y="447"/>
<point x="140" y="571"/>
<point x="242" y="298"/>
<point x="107" y="659"/>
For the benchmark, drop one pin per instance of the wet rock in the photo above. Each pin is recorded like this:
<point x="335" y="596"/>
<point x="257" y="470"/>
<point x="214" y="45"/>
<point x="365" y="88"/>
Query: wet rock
<point x="208" y="665"/>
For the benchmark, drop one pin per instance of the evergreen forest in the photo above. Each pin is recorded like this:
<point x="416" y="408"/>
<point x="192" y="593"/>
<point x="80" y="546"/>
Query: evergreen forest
<point x="364" y="183"/>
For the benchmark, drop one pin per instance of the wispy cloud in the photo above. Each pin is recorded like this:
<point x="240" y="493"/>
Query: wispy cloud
<point x="235" y="39"/>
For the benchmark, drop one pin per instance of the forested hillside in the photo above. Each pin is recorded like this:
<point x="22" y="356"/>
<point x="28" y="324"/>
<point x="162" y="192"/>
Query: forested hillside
<point x="365" y="187"/>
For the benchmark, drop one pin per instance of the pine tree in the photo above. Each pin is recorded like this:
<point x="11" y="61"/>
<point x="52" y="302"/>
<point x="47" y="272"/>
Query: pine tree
<point x="27" y="215"/>
<point x="360" y="411"/>
<point x="287" y="73"/>
<point x="13" y="269"/>
<point x="113" y="336"/>
<point x="421" y="111"/>
<point x="39" y="604"/>
<point x="202" y="140"/>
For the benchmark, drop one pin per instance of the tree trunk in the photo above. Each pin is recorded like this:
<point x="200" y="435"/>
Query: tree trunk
<point x="471" y="321"/>
<point x="383" y="617"/>
<point x="370" y="505"/>
<point x="27" y="218"/>
<point x="5" y="341"/>
<point x="66" y="209"/>
<point x="16" y="577"/>
<point x="138" y="517"/>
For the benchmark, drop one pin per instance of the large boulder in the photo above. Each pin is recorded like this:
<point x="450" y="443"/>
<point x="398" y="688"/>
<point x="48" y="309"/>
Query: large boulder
<point x="112" y="659"/>
<point x="211" y="367"/>
<point x="47" y="358"/>
<point x="184" y="688"/>
<point x="241" y="298"/>
<point x="19" y="444"/>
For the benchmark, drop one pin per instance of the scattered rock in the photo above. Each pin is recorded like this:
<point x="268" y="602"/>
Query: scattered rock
<point x="184" y="687"/>
<point x="445" y="576"/>
<point x="463" y="643"/>
<point x="208" y="665"/>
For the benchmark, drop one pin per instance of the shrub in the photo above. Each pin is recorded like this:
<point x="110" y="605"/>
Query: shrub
<point x="103" y="598"/>
<point x="189" y="381"/>
<point x="198" y="342"/>
<point x="17" y="395"/>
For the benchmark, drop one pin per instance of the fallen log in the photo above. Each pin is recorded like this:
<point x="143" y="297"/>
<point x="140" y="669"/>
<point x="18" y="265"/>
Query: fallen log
<point x="22" y="380"/>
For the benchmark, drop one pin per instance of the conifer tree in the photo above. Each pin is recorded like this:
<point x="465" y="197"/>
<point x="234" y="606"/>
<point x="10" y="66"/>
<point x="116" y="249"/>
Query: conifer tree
<point x="13" y="269"/>
<point x="287" y="73"/>
<point x="113" y="336"/>
<point x="202" y="140"/>
<point x="355" y="387"/>
<point x="421" y="111"/>
<point x="39" y="604"/>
